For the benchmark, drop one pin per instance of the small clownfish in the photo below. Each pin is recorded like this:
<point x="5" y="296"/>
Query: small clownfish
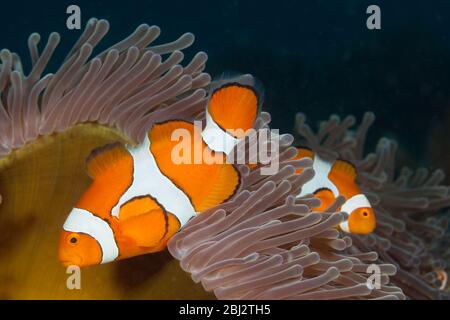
<point x="139" y="197"/>
<point x="334" y="179"/>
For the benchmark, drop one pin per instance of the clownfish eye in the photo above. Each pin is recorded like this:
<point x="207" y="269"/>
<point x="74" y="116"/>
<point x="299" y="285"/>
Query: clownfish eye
<point x="73" y="239"/>
<point x="365" y="213"/>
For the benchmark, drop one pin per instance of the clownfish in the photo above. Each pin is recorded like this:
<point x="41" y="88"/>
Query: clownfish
<point x="140" y="197"/>
<point x="333" y="179"/>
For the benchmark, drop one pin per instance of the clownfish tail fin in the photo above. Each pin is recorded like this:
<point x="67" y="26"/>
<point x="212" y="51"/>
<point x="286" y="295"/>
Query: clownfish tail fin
<point x="233" y="107"/>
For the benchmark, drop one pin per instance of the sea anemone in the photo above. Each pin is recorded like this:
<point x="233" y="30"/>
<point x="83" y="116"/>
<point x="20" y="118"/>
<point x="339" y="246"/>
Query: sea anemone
<point x="412" y="229"/>
<point x="267" y="244"/>
<point x="125" y="87"/>
<point x="257" y="252"/>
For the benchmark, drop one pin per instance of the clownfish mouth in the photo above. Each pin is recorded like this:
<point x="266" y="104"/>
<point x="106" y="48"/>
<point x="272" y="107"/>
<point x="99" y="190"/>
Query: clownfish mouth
<point x="71" y="261"/>
<point x="68" y="263"/>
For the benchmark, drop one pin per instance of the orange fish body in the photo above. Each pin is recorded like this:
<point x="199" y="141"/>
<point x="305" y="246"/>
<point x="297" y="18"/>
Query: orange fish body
<point x="333" y="179"/>
<point x="141" y="196"/>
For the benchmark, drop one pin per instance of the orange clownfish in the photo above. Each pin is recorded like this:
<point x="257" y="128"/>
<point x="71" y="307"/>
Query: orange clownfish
<point x="336" y="178"/>
<point x="140" y="197"/>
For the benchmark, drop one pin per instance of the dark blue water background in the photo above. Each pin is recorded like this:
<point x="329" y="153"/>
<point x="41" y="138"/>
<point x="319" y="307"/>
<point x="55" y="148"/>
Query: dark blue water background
<point x="317" y="57"/>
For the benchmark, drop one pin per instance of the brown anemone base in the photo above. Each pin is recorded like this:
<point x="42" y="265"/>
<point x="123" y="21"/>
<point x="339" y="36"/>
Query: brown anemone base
<point x="39" y="184"/>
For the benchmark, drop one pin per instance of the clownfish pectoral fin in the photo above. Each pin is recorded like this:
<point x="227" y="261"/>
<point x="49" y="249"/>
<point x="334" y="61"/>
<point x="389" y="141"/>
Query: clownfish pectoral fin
<point x="108" y="157"/>
<point x="137" y="206"/>
<point x="150" y="229"/>
<point x="326" y="197"/>
<point x="345" y="168"/>
<point x="173" y="225"/>
<point x="205" y="181"/>
<point x="232" y="109"/>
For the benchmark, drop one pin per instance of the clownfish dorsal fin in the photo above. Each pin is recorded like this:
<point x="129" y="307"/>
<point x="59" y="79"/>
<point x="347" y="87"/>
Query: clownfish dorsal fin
<point x="104" y="158"/>
<point x="345" y="168"/>
<point x="207" y="182"/>
<point x="326" y="197"/>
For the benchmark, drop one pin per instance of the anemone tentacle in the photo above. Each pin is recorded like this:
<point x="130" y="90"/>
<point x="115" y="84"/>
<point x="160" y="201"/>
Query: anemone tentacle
<point x="127" y="87"/>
